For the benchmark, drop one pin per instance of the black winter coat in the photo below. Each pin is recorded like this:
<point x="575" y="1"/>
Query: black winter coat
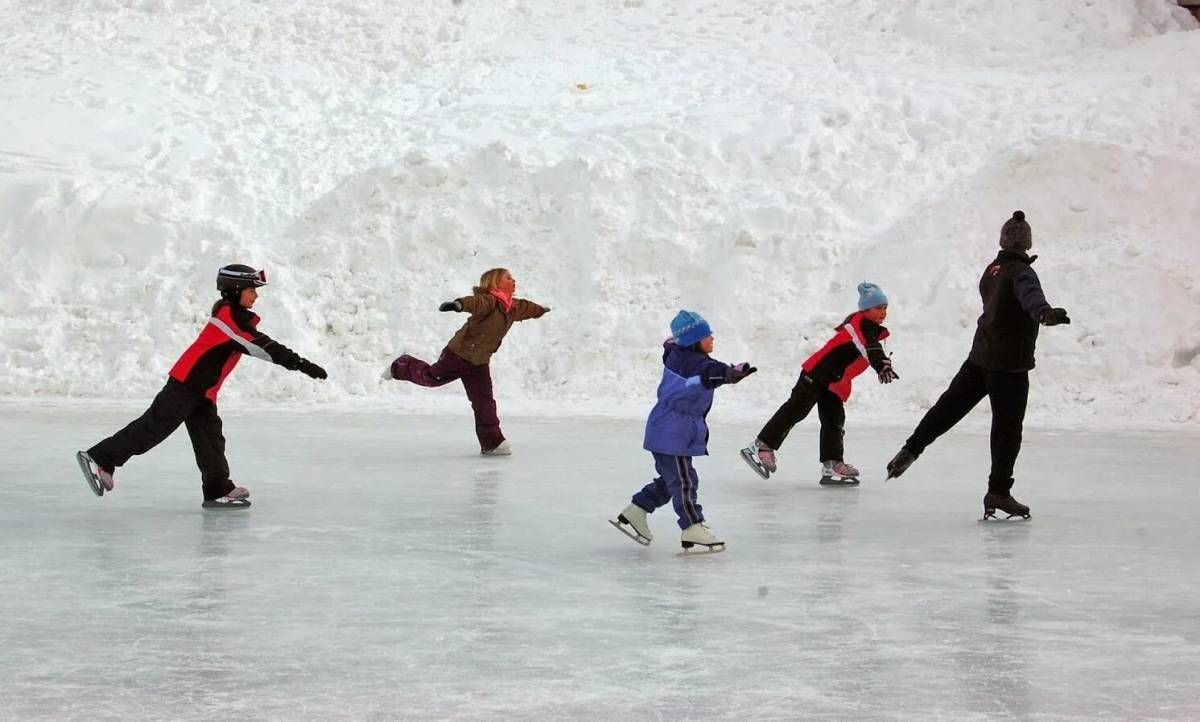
<point x="1013" y="304"/>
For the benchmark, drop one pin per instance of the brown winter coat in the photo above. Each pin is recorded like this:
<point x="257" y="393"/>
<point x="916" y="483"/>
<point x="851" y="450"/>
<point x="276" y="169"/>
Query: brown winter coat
<point x="481" y="335"/>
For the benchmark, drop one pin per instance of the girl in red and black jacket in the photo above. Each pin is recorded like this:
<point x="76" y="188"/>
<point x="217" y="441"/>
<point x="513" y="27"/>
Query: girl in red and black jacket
<point x="825" y="383"/>
<point x="190" y="394"/>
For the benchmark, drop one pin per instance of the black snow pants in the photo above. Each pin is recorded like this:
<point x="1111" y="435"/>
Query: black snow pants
<point x="1008" y="392"/>
<point x="806" y="394"/>
<point x="176" y="404"/>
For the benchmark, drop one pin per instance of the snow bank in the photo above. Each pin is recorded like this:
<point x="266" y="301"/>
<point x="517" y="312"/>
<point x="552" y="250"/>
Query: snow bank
<point x="753" y="163"/>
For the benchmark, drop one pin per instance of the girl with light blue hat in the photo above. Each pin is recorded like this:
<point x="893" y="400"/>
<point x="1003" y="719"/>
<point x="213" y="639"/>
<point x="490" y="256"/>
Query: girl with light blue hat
<point x="825" y="383"/>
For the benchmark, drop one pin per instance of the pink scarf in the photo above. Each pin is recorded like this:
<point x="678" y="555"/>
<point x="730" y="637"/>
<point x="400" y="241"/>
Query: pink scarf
<point x="504" y="298"/>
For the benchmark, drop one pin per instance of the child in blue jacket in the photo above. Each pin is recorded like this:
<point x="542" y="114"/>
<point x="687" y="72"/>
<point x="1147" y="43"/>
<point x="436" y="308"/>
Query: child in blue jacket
<point x="676" y="431"/>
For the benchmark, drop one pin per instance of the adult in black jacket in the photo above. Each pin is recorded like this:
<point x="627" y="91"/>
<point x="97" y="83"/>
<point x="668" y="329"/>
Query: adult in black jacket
<point x="997" y="367"/>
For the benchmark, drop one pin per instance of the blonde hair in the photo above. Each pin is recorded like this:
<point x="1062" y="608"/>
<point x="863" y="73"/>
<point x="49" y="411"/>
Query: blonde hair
<point x="490" y="280"/>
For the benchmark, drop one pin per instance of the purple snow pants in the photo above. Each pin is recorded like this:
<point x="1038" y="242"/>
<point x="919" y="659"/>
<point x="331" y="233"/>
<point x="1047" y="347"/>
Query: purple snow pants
<point x="477" y="380"/>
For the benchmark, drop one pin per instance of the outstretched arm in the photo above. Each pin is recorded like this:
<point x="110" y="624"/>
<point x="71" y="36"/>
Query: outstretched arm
<point x="1029" y="292"/>
<point x="476" y="304"/>
<point x="713" y="373"/>
<point x="260" y="345"/>
<point x="1028" y="288"/>
<point x="873" y="345"/>
<point x="523" y="310"/>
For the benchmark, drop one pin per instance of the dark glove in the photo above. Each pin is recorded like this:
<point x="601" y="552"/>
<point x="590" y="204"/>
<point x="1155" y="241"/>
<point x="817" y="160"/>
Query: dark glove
<point x="451" y="306"/>
<point x="1054" y="316"/>
<point x="887" y="374"/>
<point x="738" y="372"/>
<point x="309" y="368"/>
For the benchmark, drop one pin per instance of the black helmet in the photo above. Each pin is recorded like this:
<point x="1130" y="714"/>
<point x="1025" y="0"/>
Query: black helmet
<point x="233" y="278"/>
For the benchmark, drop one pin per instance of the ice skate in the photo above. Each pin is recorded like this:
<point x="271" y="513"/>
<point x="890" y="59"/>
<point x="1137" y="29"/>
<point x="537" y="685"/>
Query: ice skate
<point x="760" y="457"/>
<point x="1007" y="504"/>
<point x="239" y="498"/>
<point x="838" y="473"/>
<point x="501" y="449"/>
<point x="700" y="535"/>
<point x="98" y="478"/>
<point x="900" y="463"/>
<point x="634" y="517"/>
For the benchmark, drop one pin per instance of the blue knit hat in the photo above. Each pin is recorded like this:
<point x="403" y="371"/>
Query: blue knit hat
<point x="689" y="327"/>
<point x="870" y="296"/>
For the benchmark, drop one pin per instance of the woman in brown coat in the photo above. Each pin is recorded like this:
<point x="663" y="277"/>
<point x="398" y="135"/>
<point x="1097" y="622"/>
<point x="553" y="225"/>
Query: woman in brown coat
<point x="493" y="310"/>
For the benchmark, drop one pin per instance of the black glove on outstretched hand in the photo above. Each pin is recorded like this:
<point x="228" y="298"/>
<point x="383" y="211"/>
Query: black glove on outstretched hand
<point x="451" y="306"/>
<point x="309" y="368"/>
<point x="738" y="372"/>
<point x="1055" y="316"/>
<point x="887" y="374"/>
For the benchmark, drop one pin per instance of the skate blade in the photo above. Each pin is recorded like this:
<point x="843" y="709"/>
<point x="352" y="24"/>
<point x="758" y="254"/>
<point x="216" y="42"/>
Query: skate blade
<point x="991" y="516"/>
<point x="841" y="481"/>
<point x="751" y="459"/>
<point x="90" y="476"/>
<point x="236" y="504"/>
<point x="631" y="534"/>
<point x="704" y="550"/>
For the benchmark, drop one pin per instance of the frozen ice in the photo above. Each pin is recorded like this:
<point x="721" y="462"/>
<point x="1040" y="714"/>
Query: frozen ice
<point x="387" y="570"/>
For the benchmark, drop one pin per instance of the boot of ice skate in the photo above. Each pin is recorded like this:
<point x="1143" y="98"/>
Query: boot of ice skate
<point x="98" y="478"/>
<point x="632" y="522"/>
<point x="838" y="473"/>
<point x="501" y="449"/>
<point x="900" y="463"/>
<point x="238" y="498"/>
<point x="760" y="457"/>
<point x="699" y="535"/>
<point x="993" y="502"/>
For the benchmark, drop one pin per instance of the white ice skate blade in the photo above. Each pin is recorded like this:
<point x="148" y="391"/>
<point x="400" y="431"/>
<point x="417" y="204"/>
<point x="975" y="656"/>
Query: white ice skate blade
<point x="705" y="551"/>
<point x="1013" y="519"/>
<point x="840" y="481"/>
<point x="89" y="474"/>
<point x="242" y="503"/>
<point x="631" y="534"/>
<point x="749" y="457"/>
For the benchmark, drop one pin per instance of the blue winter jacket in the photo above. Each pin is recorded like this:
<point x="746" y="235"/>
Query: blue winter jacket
<point x="676" y="425"/>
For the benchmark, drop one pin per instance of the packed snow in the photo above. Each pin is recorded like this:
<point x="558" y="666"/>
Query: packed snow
<point x="753" y="161"/>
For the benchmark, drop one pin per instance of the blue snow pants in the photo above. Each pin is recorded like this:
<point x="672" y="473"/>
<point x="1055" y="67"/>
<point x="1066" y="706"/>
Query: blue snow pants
<point x="676" y="483"/>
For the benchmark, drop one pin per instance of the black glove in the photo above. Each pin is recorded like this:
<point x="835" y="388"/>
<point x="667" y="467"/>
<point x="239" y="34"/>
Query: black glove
<point x="451" y="306"/>
<point x="1054" y="316"/>
<point x="738" y="372"/>
<point x="887" y="374"/>
<point x="309" y="368"/>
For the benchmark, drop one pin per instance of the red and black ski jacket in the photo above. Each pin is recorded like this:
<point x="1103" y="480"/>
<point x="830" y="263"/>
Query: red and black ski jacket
<point x="855" y="346"/>
<point x="230" y="333"/>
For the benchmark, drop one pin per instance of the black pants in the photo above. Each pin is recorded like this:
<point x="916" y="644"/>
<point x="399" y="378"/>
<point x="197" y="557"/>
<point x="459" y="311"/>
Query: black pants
<point x="176" y="404"/>
<point x="806" y="394"/>
<point x="1008" y="392"/>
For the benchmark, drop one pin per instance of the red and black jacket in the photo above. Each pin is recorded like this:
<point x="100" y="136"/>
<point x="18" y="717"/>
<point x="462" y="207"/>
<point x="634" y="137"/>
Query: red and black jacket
<point x="855" y="346"/>
<point x="227" y="335"/>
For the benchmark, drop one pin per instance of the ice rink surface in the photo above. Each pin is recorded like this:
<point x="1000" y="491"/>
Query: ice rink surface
<point x="388" y="571"/>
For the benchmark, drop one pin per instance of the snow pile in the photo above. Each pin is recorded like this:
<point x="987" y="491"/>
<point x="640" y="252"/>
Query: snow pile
<point x="752" y="162"/>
